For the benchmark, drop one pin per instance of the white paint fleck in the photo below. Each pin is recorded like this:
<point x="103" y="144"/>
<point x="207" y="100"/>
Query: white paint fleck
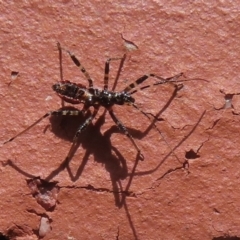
<point x="130" y="46"/>
<point x="48" y="98"/>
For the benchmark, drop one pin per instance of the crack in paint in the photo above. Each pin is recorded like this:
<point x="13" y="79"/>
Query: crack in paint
<point x="184" y="166"/>
<point x="93" y="189"/>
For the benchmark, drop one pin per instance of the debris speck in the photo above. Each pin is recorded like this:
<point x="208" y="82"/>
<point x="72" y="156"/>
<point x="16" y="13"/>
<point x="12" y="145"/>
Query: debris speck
<point x="44" y="227"/>
<point x="48" y="98"/>
<point x="14" y="75"/>
<point x="44" y="192"/>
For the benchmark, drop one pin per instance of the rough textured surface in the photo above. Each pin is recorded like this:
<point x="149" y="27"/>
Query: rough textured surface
<point x="167" y="198"/>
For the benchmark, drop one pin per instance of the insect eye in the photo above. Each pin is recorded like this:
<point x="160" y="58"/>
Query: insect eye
<point x="55" y="86"/>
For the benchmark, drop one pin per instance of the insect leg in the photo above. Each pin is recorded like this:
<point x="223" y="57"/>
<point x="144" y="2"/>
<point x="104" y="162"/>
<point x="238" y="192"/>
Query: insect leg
<point x="106" y="71"/>
<point x="119" y="71"/>
<point x="125" y="131"/>
<point x="60" y="112"/>
<point x="81" y="128"/>
<point x="60" y="66"/>
<point x="79" y="65"/>
<point x="60" y="60"/>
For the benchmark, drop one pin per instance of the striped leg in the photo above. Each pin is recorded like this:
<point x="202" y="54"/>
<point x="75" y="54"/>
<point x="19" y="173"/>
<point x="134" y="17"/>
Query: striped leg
<point x="60" y="60"/>
<point x="81" y="129"/>
<point x="145" y="77"/>
<point x="60" y="112"/>
<point x="106" y="71"/>
<point x="125" y="131"/>
<point x="78" y="64"/>
<point x="60" y="67"/>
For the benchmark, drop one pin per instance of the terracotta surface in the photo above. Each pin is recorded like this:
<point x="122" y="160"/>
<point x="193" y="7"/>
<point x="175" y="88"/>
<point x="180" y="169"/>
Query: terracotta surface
<point x="99" y="197"/>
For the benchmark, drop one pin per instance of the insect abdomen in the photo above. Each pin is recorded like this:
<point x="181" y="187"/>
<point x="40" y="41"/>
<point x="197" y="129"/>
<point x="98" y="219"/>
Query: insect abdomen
<point x="70" y="92"/>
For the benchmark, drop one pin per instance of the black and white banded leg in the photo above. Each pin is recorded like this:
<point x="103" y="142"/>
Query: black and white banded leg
<point x="81" y="128"/>
<point x="61" y="112"/>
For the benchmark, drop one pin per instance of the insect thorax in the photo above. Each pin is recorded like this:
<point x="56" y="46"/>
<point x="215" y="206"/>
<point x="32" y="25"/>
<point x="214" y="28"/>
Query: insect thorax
<point x="109" y="98"/>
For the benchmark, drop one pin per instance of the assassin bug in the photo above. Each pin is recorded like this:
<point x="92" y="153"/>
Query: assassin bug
<point x="76" y="93"/>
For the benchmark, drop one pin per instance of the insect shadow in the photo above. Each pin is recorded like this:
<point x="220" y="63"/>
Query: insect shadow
<point x="100" y="147"/>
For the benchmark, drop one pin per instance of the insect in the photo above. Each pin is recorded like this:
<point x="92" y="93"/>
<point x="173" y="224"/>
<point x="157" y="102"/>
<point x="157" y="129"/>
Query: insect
<point x="77" y="93"/>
